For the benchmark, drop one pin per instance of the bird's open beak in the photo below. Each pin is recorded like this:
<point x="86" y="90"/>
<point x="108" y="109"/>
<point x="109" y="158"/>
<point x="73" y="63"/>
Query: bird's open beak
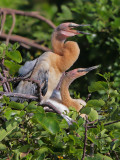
<point x="88" y="69"/>
<point x="73" y="26"/>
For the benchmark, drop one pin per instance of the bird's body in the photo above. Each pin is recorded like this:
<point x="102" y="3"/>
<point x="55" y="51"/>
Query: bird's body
<point x="67" y="100"/>
<point x="62" y="99"/>
<point x="48" y="68"/>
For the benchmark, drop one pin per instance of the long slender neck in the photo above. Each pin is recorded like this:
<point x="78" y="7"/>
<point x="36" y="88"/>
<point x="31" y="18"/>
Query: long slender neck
<point x="70" y="53"/>
<point x="57" y="44"/>
<point x="65" y="95"/>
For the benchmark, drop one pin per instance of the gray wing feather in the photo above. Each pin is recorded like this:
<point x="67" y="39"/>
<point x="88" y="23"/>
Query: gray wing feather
<point x="27" y="68"/>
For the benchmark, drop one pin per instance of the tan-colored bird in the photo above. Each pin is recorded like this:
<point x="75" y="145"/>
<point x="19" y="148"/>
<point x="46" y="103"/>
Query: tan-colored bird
<point x="48" y="68"/>
<point x="62" y="99"/>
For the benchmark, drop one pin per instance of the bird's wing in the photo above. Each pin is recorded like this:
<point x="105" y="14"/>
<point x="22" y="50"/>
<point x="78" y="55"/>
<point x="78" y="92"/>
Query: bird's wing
<point x="26" y="69"/>
<point x="43" y="76"/>
<point x="41" y="73"/>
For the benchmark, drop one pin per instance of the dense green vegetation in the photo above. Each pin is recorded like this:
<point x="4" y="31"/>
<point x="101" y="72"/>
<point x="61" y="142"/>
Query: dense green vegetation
<point x="47" y="135"/>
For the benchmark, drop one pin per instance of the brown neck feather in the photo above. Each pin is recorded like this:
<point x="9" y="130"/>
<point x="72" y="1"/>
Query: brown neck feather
<point x="57" y="44"/>
<point x="66" y="98"/>
<point x="65" y="95"/>
<point x="70" y="53"/>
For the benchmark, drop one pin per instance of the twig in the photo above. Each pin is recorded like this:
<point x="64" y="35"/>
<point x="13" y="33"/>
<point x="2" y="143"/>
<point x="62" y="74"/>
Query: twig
<point x="25" y="41"/>
<point x="11" y="29"/>
<point x="4" y="85"/>
<point x="106" y="124"/>
<point x="25" y="79"/>
<point x="88" y="97"/>
<point x="2" y="21"/>
<point x="117" y="158"/>
<point x="18" y="79"/>
<point x="29" y="14"/>
<point x="92" y="121"/>
<point x="85" y="139"/>
<point x="4" y="74"/>
<point x="11" y="94"/>
<point x="92" y="149"/>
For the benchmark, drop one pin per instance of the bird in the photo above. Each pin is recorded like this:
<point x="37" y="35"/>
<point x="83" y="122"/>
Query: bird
<point x="49" y="67"/>
<point x="61" y="99"/>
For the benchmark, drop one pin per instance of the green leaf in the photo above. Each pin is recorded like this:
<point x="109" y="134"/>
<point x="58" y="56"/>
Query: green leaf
<point x="9" y="112"/>
<point x="97" y="104"/>
<point x="51" y="125"/>
<point x="99" y="156"/>
<point x="14" y="55"/>
<point x="2" y="146"/>
<point x="10" y="126"/>
<point x="93" y="115"/>
<point x="48" y="123"/>
<point x="97" y="86"/>
<point x="113" y="126"/>
<point x="32" y="106"/>
<point x="6" y="99"/>
<point x="13" y="67"/>
<point x="86" y="110"/>
<point x="43" y="150"/>
<point x="16" y="105"/>
<point x="66" y="13"/>
<point x="115" y="144"/>
<point x="24" y="148"/>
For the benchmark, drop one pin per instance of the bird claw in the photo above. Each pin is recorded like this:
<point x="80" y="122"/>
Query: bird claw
<point x="69" y="120"/>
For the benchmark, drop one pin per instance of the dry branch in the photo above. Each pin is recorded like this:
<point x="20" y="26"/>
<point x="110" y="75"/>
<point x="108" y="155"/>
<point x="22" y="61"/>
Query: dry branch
<point x="12" y="27"/>
<point x="3" y="18"/>
<point x="29" y="14"/>
<point x="4" y="85"/>
<point x="11" y="94"/>
<point x="106" y="124"/>
<point x="25" y="41"/>
<point x="85" y="139"/>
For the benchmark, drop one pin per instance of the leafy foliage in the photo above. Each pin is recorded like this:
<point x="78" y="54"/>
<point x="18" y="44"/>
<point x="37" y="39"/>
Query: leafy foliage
<point x="26" y="131"/>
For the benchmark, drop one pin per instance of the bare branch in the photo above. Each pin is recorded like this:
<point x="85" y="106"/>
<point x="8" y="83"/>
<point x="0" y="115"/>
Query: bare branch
<point x="3" y="18"/>
<point x="12" y="27"/>
<point x="25" y="41"/>
<point x="106" y="124"/>
<point x="11" y="94"/>
<point x="29" y="14"/>
<point x="85" y="139"/>
<point x="88" y="97"/>
<point x="4" y="85"/>
<point x="4" y="74"/>
<point x="117" y="158"/>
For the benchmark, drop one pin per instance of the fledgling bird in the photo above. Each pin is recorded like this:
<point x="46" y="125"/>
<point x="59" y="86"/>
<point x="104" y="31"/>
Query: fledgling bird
<point x="48" y="68"/>
<point x="62" y="99"/>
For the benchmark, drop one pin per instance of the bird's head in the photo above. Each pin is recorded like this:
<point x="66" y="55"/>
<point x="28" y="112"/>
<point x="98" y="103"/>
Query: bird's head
<point x="76" y="73"/>
<point x="68" y="29"/>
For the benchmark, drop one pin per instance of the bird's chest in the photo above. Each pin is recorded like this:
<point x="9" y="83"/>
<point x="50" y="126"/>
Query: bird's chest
<point x="54" y="76"/>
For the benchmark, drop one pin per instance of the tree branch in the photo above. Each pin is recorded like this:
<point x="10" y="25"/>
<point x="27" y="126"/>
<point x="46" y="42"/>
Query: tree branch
<point x="25" y="41"/>
<point x="11" y="94"/>
<point x="11" y="29"/>
<point x="3" y="18"/>
<point x="29" y="14"/>
<point x="4" y="85"/>
<point x="106" y="124"/>
<point x="4" y="74"/>
<point x="85" y="139"/>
